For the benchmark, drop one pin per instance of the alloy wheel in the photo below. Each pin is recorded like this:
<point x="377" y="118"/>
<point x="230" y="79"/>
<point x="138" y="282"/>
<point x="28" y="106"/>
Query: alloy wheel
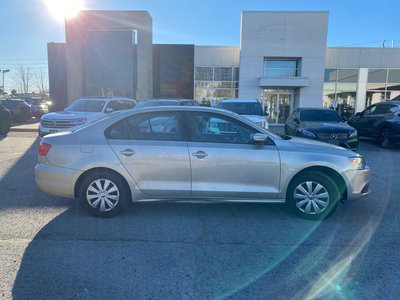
<point x="311" y="197"/>
<point x="103" y="195"/>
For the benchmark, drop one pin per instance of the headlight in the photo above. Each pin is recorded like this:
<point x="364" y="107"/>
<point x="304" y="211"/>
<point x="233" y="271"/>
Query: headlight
<point x="79" y="121"/>
<point x="357" y="162"/>
<point x="353" y="134"/>
<point x="307" y="134"/>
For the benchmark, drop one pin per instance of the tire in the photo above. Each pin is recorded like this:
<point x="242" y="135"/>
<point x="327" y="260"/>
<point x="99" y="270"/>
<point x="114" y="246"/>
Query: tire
<point x="103" y="194"/>
<point x="384" y="138"/>
<point x="305" y="190"/>
<point x="4" y="127"/>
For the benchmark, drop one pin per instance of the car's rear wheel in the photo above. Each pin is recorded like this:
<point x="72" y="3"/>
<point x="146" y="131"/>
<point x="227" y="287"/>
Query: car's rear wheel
<point x="103" y="194"/>
<point x="313" y="195"/>
<point x="384" y="138"/>
<point x="4" y="127"/>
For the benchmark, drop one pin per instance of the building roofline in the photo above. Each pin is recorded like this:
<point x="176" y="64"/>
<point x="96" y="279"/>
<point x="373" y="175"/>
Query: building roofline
<point x="285" y="11"/>
<point x="362" y="48"/>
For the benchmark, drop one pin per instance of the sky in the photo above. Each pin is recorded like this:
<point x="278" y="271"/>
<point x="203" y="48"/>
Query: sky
<point x="27" y="25"/>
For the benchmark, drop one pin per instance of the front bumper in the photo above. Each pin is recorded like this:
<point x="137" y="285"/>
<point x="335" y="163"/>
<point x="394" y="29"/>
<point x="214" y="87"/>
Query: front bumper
<point x="357" y="182"/>
<point x="55" y="180"/>
<point x="48" y="130"/>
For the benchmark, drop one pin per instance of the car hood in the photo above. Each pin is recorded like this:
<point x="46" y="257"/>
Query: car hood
<point x="326" y="126"/>
<point x="310" y="145"/>
<point x="64" y="115"/>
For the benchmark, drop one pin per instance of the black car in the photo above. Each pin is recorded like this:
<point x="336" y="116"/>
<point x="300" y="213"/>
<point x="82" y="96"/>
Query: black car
<point x="20" y="110"/>
<point x="322" y="124"/>
<point x="5" y="120"/>
<point x="380" y="121"/>
<point x="166" y="102"/>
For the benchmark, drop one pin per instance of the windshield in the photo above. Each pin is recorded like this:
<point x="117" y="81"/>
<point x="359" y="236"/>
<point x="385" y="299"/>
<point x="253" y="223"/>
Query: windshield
<point x="87" y="105"/>
<point x="319" y="115"/>
<point x="156" y="103"/>
<point x="242" y="108"/>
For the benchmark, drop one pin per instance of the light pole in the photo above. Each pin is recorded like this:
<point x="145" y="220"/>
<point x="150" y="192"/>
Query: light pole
<point x="4" y="71"/>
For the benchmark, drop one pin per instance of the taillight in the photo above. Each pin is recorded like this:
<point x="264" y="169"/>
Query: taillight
<point x="44" y="148"/>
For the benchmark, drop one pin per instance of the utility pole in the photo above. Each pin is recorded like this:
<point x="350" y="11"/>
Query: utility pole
<point x="4" y="71"/>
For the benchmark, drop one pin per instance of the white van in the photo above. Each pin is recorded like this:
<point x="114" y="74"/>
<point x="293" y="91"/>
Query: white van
<point x="248" y="108"/>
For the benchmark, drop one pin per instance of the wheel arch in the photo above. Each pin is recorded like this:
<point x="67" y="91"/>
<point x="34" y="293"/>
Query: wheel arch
<point x="100" y="169"/>
<point x="382" y="126"/>
<point x="331" y="173"/>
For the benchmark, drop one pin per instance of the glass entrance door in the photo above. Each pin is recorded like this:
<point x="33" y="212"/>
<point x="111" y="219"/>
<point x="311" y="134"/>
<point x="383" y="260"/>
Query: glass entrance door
<point x="278" y="104"/>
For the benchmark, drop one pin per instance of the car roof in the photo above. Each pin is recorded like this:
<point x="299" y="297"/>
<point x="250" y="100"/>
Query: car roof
<point x="396" y="102"/>
<point x="107" y="99"/>
<point x="315" y="108"/>
<point x="240" y="100"/>
<point x="166" y="99"/>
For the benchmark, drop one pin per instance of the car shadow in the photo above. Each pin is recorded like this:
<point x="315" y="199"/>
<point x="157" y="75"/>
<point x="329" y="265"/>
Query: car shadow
<point x="201" y="251"/>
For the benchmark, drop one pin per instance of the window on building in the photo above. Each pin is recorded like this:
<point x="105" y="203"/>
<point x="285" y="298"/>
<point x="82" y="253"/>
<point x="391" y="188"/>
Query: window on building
<point x="383" y="84"/>
<point x="213" y="84"/>
<point x="340" y="90"/>
<point x="280" y="67"/>
<point x="393" y="85"/>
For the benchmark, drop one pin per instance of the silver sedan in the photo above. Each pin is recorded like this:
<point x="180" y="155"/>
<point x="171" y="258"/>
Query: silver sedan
<point x="195" y="154"/>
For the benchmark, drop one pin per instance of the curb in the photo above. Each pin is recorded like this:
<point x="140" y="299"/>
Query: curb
<point x="25" y="128"/>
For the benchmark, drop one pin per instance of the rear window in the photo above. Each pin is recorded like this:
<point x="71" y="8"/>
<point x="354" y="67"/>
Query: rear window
<point x="242" y="108"/>
<point x="319" y="115"/>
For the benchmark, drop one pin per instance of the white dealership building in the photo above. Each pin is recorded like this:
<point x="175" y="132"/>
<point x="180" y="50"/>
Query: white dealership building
<point x="282" y="60"/>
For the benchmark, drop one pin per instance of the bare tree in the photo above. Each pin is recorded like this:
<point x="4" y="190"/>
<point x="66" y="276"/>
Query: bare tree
<point x="23" y="78"/>
<point x="41" y="82"/>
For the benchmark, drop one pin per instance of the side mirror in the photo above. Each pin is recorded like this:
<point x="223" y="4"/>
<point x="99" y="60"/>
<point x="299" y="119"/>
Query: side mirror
<point x="260" y="138"/>
<point x="109" y="110"/>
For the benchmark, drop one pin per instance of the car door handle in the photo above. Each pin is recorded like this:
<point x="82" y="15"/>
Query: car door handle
<point x="200" y="154"/>
<point x="127" y="152"/>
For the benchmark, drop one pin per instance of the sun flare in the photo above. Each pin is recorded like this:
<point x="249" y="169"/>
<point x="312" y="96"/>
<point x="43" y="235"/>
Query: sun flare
<point x="61" y="9"/>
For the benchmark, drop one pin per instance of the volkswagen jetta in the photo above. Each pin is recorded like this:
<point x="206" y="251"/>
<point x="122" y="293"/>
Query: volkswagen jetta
<point x="195" y="154"/>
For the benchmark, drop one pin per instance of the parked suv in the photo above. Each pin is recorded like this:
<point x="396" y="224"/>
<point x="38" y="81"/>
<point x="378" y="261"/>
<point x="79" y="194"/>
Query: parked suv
<point x="19" y="109"/>
<point x="380" y="121"/>
<point x="5" y="120"/>
<point x="81" y="112"/>
<point x="250" y="109"/>
<point x="322" y="124"/>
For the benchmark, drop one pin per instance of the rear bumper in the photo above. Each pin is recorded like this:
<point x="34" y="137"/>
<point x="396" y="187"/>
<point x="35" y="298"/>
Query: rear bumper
<point x="55" y="180"/>
<point x="357" y="183"/>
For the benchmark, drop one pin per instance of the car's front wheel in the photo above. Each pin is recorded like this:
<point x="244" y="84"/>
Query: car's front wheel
<point x="103" y="194"/>
<point x="313" y="195"/>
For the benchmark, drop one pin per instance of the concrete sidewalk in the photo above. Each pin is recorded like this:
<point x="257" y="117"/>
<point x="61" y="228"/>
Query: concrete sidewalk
<point x="28" y="126"/>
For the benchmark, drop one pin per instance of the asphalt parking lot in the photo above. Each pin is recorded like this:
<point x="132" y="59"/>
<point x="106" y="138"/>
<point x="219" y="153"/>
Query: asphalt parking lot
<point x="51" y="249"/>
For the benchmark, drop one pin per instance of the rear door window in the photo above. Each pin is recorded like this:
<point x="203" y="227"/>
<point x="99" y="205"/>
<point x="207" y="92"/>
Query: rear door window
<point x="166" y="126"/>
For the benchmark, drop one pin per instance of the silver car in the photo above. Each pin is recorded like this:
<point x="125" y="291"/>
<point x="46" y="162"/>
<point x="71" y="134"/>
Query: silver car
<point x="195" y="154"/>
